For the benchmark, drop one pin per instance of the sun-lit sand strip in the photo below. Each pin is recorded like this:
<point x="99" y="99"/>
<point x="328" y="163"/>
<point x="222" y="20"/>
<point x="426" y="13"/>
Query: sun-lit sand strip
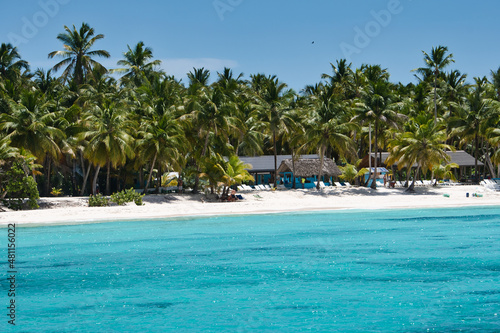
<point x="75" y="210"/>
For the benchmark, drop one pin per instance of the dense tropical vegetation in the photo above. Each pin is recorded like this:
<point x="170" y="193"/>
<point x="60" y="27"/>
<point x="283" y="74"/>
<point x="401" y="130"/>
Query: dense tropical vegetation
<point x="86" y="130"/>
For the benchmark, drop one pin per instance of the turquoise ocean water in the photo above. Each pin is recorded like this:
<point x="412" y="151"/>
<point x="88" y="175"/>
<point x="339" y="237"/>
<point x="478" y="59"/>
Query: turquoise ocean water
<point x="336" y="271"/>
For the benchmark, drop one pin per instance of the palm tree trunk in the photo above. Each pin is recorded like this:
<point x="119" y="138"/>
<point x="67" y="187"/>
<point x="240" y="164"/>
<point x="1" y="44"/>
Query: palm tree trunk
<point x="141" y="176"/>
<point x="293" y="171"/>
<point x="47" y="179"/>
<point x="85" y="178"/>
<point x="94" y="181"/>
<point x="322" y="150"/>
<point x="435" y="99"/>
<point x="158" y="179"/>
<point x="408" y="175"/>
<point x="488" y="160"/>
<point x="411" y="188"/>
<point x="374" y="181"/>
<point x="476" y="144"/>
<point x="73" y="177"/>
<point x="275" y="160"/>
<point x="150" y="174"/>
<point x="197" y="176"/>
<point x="108" y="172"/>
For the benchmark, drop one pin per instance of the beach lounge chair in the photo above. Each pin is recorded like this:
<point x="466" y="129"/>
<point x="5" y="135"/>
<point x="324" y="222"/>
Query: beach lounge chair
<point x="267" y="187"/>
<point x="338" y="184"/>
<point x="321" y="185"/>
<point x="490" y="184"/>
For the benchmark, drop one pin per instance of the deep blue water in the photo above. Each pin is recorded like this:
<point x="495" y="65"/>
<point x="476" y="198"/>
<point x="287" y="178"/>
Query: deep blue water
<point x="342" y="271"/>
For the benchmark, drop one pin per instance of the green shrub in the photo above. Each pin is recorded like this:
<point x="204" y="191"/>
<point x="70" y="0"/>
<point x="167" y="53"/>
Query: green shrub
<point x="56" y="192"/>
<point x="21" y="190"/>
<point x="98" y="200"/>
<point x="130" y="195"/>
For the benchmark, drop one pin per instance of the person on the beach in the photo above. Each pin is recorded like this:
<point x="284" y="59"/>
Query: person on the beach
<point x="179" y="186"/>
<point x="233" y="196"/>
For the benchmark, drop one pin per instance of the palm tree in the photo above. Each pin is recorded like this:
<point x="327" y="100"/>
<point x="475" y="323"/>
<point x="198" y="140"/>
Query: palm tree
<point x="249" y="140"/>
<point x="109" y="139"/>
<point x="213" y="117"/>
<point x="160" y="141"/>
<point x="377" y="107"/>
<point x="274" y="98"/>
<point x="7" y="152"/>
<point x="198" y="78"/>
<point x="231" y="86"/>
<point x="436" y="62"/>
<point x="32" y="126"/>
<point x="326" y="126"/>
<point x="444" y="171"/>
<point x="349" y="172"/>
<point x="10" y="62"/>
<point x="343" y="78"/>
<point x="421" y="144"/>
<point x="212" y="171"/>
<point x="78" y="55"/>
<point x="474" y="116"/>
<point x="234" y="171"/>
<point x="495" y="80"/>
<point x="137" y="63"/>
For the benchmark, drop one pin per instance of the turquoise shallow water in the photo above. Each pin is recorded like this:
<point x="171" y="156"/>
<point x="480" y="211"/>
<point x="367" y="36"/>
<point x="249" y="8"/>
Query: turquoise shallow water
<point x="384" y="271"/>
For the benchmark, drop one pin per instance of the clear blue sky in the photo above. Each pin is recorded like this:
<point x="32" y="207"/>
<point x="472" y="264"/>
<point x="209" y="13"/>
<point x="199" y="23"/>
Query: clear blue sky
<point x="270" y="37"/>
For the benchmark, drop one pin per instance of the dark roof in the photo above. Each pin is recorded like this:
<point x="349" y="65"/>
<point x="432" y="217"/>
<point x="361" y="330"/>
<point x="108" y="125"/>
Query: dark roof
<point x="310" y="167"/>
<point x="266" y="163"/>
<point x="460" y="157"/>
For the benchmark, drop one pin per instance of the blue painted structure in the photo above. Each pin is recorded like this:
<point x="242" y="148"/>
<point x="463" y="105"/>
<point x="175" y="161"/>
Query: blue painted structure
<point x="287" y="179"/>
<point x="381" y="172"/>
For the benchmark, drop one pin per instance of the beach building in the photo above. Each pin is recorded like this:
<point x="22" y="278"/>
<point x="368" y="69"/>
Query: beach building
<point x="262" y="167"/>
<point x="464" y="160"/>
<point x="304" y="172"/>
<point x="381" y="177"/>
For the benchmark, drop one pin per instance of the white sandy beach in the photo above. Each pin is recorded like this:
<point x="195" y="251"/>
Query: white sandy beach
<point x="75" y="209"/>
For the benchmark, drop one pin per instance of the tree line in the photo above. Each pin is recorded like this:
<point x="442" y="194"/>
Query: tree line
<point x="76" y="125"/>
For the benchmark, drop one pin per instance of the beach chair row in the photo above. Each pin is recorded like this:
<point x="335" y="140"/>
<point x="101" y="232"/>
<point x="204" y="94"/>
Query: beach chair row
<point x="492" y="184"/>
<point x="417" y="183"/>
<point x="337" y="184"/>
<point x="255" y="188"/>
<point x="269" y="188"/>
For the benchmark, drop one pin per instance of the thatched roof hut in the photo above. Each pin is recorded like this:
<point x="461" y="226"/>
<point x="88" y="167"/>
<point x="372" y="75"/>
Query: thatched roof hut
<point x="310" y="167"/>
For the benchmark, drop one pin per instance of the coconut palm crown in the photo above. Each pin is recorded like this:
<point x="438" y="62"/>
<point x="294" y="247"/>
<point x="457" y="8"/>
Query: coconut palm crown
<point x="78" y="55"/>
